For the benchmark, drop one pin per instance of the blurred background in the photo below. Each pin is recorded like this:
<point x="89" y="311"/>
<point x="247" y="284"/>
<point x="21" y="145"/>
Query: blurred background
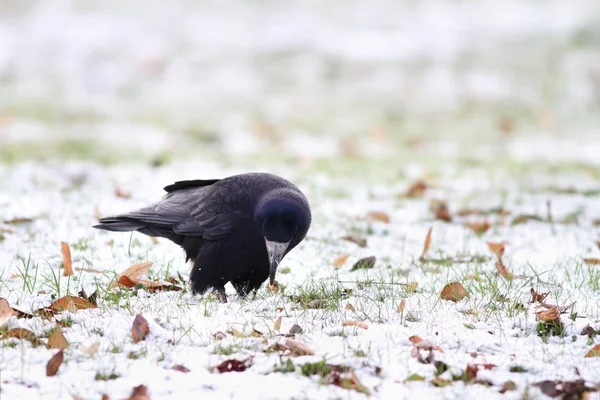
<point x="153" y="81"/>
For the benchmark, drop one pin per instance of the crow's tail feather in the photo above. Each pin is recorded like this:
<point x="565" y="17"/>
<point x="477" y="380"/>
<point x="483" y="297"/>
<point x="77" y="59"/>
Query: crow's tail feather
<point x="119" y="224"/>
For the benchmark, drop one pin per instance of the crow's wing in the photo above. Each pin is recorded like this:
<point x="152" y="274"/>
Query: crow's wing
<point x="207" y="211"/>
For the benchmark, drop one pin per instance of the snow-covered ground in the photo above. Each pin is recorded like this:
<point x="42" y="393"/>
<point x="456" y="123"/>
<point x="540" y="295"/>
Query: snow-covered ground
<point x="494" y="105"/>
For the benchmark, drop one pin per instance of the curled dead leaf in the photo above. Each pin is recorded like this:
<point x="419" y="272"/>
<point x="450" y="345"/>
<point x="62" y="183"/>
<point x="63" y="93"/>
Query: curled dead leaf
<point x="426" y="244"/>
<point x="350" y="307"/>
<point x="133" y="272"/>
<point x="54" y="363"/>
<point x="57" y="340"/>
<point x="416" y="189"/>
<point x="537" y="297"/>
<point x="359" y="241"/>
<point x="139" y="328"/>
<point x="70" y="303"/>
<point x="592" y="261"/>
<point x="497" y="248"/>
<point x="378" y="216"/>
<point x="401" y="306"/>
<point x="233" y="365"/>
<point x="139" y="393"/>
<point x="440" y="210"/>
<point x="479" y="227"/>
<point x="277" y="325"/>
<point x="454" y="291"/>
<point x="298" y="348"/>
<point x="180" y="368"/>
<point x="550" y="315"/>
<point x="364" y="263"/>
<point x="6" y="312"/>
<point x="503" y="271"/>
<point x="67" y="261"/>
<point x="358" y="324"/>
<point x="594" y="352"/>
<point x="339" y="262"/>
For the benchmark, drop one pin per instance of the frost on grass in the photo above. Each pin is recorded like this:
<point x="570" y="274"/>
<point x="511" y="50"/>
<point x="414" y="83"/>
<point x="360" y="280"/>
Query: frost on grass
<point x="427" y="310"/>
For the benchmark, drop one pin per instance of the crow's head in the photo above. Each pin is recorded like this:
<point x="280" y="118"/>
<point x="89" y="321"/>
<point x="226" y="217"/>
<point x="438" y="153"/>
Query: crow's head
<point x="283" y="217"/>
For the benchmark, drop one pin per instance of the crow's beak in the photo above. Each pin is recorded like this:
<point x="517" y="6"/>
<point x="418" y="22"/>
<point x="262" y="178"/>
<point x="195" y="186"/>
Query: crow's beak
<point x="276" y="250"/>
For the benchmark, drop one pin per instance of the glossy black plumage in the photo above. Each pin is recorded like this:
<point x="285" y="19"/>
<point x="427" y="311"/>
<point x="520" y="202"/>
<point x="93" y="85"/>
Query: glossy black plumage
<point x="236" y="229"/>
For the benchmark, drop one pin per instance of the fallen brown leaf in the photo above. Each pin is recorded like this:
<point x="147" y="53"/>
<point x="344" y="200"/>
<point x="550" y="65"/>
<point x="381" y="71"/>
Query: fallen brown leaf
<point x="236" y="333"/>
<point x="339" y="262"/>
<point x="277" y="324"/>
<point x="139" y="393"/>
<point x="180" y="368"/>
<point x="440" y="210"/>
<point x="356" y="323"/>
<point x="133" y="272"/>
<point x="550" y="315"/>
<point x="233" y="365"/>
<point x="350" y="307"/>
<point x="121" y="194"/>
<point x="6" y="312"/>
<point x="592" y="261"/>
<point x="479" y="227"/>
<point x="364" y="263"/>
<point x="54" y="363"/>
<point x="64" y="303"/>
<point x="497" y="249"/>
<point x="421" y="346"/>
<point x="416" y="189"/>
<point x="139" y="328"/>
<point x="298" y="348"/>
<point x="359" y="241"/>
<point x="503" y="271"/>
<point x="426" y="244"/>
<point x="537" y="297"/>
<point x="594" y="352"/>
<point x="453" y="291"/>
<point x="410" y="287"/>
<point x="57" y="340"/>
<point x="378" y="216"/>
<point x="67" y="261"/>
<point x="401" y="306"/>
<point x="294" y="330"/>
<point x="21" y="333"/>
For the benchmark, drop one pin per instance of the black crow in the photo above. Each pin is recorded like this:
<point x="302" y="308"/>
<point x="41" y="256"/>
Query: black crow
<point x="236" y="229"/>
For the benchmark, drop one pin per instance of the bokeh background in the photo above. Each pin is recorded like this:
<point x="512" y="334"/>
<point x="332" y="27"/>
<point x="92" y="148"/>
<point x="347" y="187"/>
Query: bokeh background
<point x="246" y="80"/>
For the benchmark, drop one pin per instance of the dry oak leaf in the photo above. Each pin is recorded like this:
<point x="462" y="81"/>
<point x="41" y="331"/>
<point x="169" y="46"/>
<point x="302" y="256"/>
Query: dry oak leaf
<point x="139" y="393"/>
<point x="497" y="248"/>
<point x="71" y="303"/>
<point x="479" y="227"/>
<point x="416" y="189"/>
<point x="426" y="244"/>
<point x="537" y="297"/>
<point x="356" y="323"/>
<point x="67" y="261"/>
<point x="550" y="315"/>
<point x="277" y="324"/>
<point x="339" y="262"/>
<point x="592" y="261"/>
<point x="503" y="271"/>
<point x="139" y="328"/>
<point x="401" y="306"/>
<point x="233" y="365"/>
<point x="133" y="273"/>
<point x="298" y="348"/>
<point x="180" y="368"/>
<point x="358" y="240"/>
<point x="594" y="352"/>
<point x="54" y="363"/>
<point x="378" y="216"/>
<point x="57" y="340"/>
<point x="6" y="312"/>
<point x="454" y="291"/>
